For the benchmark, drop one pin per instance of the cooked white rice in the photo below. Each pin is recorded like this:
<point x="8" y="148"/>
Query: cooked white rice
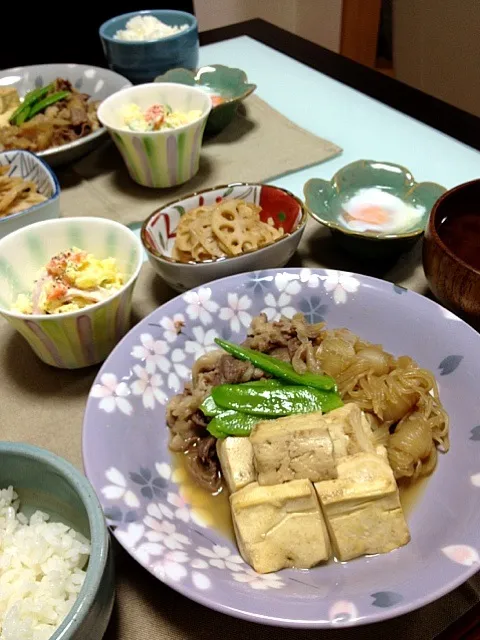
<point x="142" y="28"/>
<point x="40" y="571"/>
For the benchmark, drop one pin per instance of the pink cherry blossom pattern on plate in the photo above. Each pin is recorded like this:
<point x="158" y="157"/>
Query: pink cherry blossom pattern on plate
<point x="173" y="326"/>
<point x="277" y="307"/>
<point x="222" y="558"/>
<point x="113" y="394"/>
<point x="236" y="312"/>
<point x="148" y="386"/>
<point x="342" y="611"/>
<point x="153" y="353"/>
<point x="462" y="554"/>
<point x="259" y="581"/>
<point x="200" y="306"/>
<point x="118" y="488"/>
<point x="340" y="284"/>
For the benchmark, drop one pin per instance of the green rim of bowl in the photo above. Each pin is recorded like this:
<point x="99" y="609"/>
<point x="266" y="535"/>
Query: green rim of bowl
<point x="229" y="82"/>
<point x="319" y="194"/>
<point x="99" y="538"/>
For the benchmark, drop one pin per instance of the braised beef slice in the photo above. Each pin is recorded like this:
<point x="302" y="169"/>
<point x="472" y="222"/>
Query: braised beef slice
<point x="203" y="464"/>
<point x="235" y="371"/>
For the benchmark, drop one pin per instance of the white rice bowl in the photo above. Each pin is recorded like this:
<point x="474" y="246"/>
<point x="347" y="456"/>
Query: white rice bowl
<point x="41" y="571"/>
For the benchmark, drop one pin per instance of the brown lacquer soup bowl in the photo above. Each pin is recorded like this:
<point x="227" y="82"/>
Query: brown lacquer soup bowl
<point x="451" y="250"/>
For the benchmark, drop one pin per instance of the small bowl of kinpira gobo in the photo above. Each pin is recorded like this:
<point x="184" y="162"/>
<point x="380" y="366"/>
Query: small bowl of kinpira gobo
<point x="222" y="231"/>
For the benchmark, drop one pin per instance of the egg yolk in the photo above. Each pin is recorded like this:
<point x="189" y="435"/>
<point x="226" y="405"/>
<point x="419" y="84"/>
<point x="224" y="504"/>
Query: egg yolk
<point x="370" y="213"/>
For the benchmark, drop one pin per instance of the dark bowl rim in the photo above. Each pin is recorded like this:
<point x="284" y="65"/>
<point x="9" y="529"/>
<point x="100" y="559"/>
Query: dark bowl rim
<point x="99" y="537"/>
<point x="192" y="26"/>
<point x="433" y="229"/>
<point x="251" y="87"/>
<point x="162" y="258"/>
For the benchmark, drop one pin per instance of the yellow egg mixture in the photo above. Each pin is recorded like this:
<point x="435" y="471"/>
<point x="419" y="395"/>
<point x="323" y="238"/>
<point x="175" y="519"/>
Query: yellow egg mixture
<point x="71" y="280"/>
<point x="158" y="117"/>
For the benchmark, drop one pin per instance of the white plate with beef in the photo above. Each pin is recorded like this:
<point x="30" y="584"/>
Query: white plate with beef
<point x="51" y="109"/>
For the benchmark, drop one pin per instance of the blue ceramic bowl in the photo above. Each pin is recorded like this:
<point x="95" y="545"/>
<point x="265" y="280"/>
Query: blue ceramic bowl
<point x="142" y="61"/>
<point x="26" y="165"/>
<point x="46" y="482"/>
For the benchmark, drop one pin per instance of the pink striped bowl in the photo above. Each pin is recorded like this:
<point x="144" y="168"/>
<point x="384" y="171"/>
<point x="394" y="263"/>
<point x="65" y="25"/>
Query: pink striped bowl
<point x="77" y="338"/>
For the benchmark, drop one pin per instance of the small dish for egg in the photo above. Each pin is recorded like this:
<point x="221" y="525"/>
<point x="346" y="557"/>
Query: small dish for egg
<point x="373" y="209"/>
<point x="278" y="206"/>
<point x="228" y="87"/>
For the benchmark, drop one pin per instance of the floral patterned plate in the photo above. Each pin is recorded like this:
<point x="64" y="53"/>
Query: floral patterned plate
<point x="169" y="529"/>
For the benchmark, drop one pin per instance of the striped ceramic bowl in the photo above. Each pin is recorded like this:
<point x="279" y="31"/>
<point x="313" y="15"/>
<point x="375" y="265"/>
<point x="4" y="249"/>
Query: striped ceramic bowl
<point x="77" y="338"/>
<point x="158" y="158"/>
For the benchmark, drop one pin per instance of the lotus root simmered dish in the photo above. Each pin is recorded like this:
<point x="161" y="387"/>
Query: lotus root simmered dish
<point x="311" y="430"/>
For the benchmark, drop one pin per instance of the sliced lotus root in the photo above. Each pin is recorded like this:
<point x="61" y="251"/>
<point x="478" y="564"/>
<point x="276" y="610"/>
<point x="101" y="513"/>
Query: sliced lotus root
<point x="225" y="229"/>
<point x="227" y="226"/>
<point x="248" y="210"/>
<point x="183" y="239"/>
<point x="269" y="234"/>
<point x="201" y="232"/>
<point x="181" y="256"/>
<point x="199" y="254"/>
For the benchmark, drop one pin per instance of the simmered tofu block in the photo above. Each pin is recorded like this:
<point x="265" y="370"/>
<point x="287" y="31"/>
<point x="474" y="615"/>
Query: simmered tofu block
<point x="362" y="507"/>
<point x="350" y="431"/>
<point x="280" y="526"/>
<point x="236" y="460"/>
<point x="293" y="448"/>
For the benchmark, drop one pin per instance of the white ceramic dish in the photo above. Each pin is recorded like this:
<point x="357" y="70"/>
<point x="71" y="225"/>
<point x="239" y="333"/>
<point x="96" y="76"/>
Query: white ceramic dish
<point x="97" y="82"/>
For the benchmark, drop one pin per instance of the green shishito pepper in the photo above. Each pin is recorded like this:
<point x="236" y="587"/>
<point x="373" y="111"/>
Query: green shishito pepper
<point x="35" y="102"/>
<point x="278" y="368"/>
<point x="232" y="423"/>
<point x="264" y="382"/>
<point x="211" y="409"/>
<point x="47" y="102"/>
<point x="271" y="402"/>
<point x="21" y="112"/>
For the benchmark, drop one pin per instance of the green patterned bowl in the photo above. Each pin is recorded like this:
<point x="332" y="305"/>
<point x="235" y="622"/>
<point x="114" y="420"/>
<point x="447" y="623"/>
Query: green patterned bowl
<point x="227" y="83"/>
<point x="46" y="482"/>
<point x="165" y="158"/>
<point x="326" y="202"/>
<point x="77" y="338"/>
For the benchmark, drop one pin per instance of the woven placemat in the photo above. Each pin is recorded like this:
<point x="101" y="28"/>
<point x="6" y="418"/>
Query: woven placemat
<point x="260" y="144"/>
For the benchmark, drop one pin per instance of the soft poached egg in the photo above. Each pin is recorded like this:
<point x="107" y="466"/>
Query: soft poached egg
<point x="379" y="211"/>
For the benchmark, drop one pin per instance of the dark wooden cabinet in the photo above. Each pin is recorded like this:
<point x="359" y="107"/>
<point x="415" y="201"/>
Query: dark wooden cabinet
<point x="62" y="32"/>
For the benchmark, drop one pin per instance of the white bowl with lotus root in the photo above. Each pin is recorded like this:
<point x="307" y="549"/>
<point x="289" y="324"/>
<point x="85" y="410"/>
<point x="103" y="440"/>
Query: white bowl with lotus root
<point x="222" y="231"/>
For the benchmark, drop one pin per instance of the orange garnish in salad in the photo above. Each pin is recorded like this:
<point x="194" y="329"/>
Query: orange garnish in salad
<point x="57" y="292"/>
<point x="57" y="265"/>
<point x="156" y="115"/>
